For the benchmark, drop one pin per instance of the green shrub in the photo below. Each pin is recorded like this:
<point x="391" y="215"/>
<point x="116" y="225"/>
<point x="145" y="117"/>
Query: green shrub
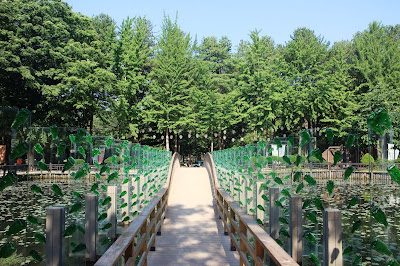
<point x="79" y="161"/>
<point x="367" y="158"/>
<point x="109" y="160"/>
<point x="15" y="259"/>
<point x="277" y="159"/>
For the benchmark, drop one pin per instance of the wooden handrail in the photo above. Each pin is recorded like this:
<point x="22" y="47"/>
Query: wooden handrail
<point x="238" y="223"/>
<point x="143" y="229"/>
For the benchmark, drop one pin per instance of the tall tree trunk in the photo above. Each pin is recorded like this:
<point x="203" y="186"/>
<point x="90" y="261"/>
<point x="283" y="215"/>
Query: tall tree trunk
<point x="167" y="139"/>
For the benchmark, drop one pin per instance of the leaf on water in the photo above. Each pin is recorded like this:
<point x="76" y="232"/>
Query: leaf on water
<point x="80" y="247"/>
<point x="57" y="190"/>
<point x="329" y="186"/>
<point x="32" y="220"/>
<point x="35" y="255"/>
<point x="7" y="180"/>
<point x="380" y="247"/>
<point x="76" y="207"/>
<point x="39" y="237"/>
<point x="356" y="225"/>
<point x="7" y="250"/>
<point x="17" y="226"/>
<point x="19" y="150"/>
<point x="39" y="149"/>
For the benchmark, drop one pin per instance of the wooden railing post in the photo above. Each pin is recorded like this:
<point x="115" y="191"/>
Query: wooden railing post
<point x="143" y="232"/>
<point x="160" y="211"/>
<point x="332" y="236"/>
<point x="112" y="212"/>
<point x="153" y="229"/>
<point x="243" y="233"/>
<point x="55" y="225"/>
<point x="259" y="250"/>
<point x="296" y="228"/>
<point x="273" y="213"/>
<point x="233" y="231"/>
<point x="226" y="231"/>
<point x="91" y="225"/>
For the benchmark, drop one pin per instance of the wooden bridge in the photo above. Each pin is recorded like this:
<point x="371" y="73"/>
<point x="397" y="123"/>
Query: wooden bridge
<point x="202" y="226"/>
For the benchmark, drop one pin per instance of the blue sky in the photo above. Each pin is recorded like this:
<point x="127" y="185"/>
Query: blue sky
<point x="335" y="20"/>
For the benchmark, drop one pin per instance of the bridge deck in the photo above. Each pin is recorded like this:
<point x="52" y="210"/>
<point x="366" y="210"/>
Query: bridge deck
<point x="191" y="234"/>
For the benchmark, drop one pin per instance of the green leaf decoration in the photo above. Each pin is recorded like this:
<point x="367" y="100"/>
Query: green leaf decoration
<point x="310" y="180"/>
<point x="80" y="134"/>
<point x="394" y="173"/>
<point x="305" y="137"/>
<point x="306" y="203"/>
<point x="81" y="151"/>
<point x="357" y="260"/>
<point x="329" y="135"/>
<point x="94" y="187"/>
<point x="278" y="143"/>
<point x="298" y="160"/>
<point x="109" y="141"/>
<point x="80" y="173"/>
<point x="77" y="195"/>
<point x="104" y="169"/>
<point x="291" y="140"/>
<point x="278" y="203"/>
<point x="103" y="187"/>
<point x="348" y="250"/>
<point x="312" y="216"/>
<point x="40" y="238"/>
<point x="337" y="157"/>
<point x="102" y="217"/>
<point x="125" y="181"/>
<point x="19" y="150"/>
<point x="96" y="152"/>
<point x="42" y="166"/>
<point x="287" y="160"/>
<point x="106" y="201"/>
<point x="54" y="132"/>
<point x="125" y="219"/>
<point x="260" y="207"/>
<point x="379" y="121"/>
<point x="314" y="259"/>
<point x="7" y="250"/>
<point x="72" y="138"/>
<point x="21" y="118"/>
<point x="348" y="172"/>
<point x="17" y="226"/>
<point x="353" y="201"/>
<point x="32" y="220"/>
<point x="379" y="215"/>
<point x="286" y="192"/>
<point x="70" y="230"/>
<point x="380" y="247"/>
<point x="106" y="226"/>
<point x="89" y="139"/>
<point x="39" y="149"/>
<point x="252" y="210"/>
<point x="124" y="205"/>
<point x="7" y="180"/>
<point x="57" y="190"/>
<point x="299" y="187"/>
<point x="81" y="229"/>
<point x="36" y="189"/>
<point x="123" y="193"/>
<point x="310" y="237"/>
<point x="330" y="186"/>
<point x="392" y="262"/>
<point x="134" y="213"/>
<point x="79" y="248"/>
<point x="264" y="197"/>
<point x="283" y="220"/>
<point x="61" y="149"/>
<point x="278" y="180"/>
<point x="35" y="255"/>
<point x="279" y="242"/>
<point x="318" y="203"/>
<point x="296" y="176"/>
<point x="106" y="241"/>
<point x="248" y="189"/>
<point x="112" y="177"/>
<point x="98" y="176"/>
<point x="350" y="140"/>
<point x="259" y="222"/>
<point x="76" y="207"/>
<point x="356" y="225"/>
<point x="284" y="232"/>
<point x="318" y="154"/>
<point x="134" y="196"/>
<point x="70" y="162"/>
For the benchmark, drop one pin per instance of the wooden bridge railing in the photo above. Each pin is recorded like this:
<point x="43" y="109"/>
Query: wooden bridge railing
<point x="139" y="238"/>
<point x="238" y="225"/>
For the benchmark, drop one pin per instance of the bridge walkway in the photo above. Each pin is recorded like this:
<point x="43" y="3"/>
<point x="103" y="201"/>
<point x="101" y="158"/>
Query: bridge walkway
<point x="192" y="234"/>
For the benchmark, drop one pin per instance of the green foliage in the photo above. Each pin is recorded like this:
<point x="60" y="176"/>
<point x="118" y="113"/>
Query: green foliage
<point x="109" y="160"/>
<point x="367" y="158"/>
<point x="15" y="259"/>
